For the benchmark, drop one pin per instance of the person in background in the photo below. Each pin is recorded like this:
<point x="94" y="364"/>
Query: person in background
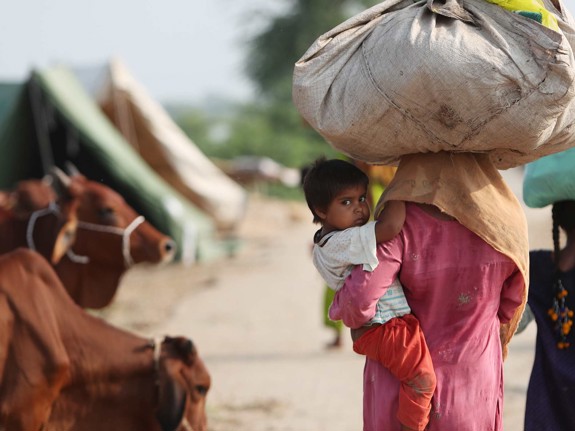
<point x="336" y="192"/>
<point x="551" y="301"/>
<point x="462" y="258"/>
<point x="335" y="325"/>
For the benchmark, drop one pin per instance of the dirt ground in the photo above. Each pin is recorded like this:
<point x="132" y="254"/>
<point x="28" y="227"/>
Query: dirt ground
<point x="256" y="319"/>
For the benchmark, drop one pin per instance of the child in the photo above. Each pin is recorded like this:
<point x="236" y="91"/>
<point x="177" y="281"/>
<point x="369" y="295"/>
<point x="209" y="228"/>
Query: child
<point x="336" y="193"/>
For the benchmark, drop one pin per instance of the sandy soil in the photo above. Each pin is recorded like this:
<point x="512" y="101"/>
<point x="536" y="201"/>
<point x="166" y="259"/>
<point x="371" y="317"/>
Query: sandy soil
<point x="256" y="319"/>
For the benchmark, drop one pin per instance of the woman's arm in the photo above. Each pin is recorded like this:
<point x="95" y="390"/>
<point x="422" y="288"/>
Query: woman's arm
<point x="511" y="296"/>
<point x="355" y="303"/>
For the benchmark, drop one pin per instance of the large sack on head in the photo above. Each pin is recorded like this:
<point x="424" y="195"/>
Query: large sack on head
<point x="550" y="179"/>
<point x="469" y="76"/>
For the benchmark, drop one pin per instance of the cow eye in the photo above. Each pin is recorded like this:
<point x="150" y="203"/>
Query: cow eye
<point x="202" y="390"/>
<point x="106" y="214"/>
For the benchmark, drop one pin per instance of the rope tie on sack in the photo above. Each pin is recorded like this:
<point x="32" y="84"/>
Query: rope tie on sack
<point x="52" y="208"/>
<point x="124" y="232"/>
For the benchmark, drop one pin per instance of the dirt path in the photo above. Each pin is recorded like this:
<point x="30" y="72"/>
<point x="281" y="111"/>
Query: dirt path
<point x="256" y="319"/>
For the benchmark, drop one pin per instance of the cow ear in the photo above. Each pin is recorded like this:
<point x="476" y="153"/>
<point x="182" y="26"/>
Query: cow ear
<point x="60" y="181"/>
<point x="184" y="348"/>
<point x="172" y="397"/>
<point x="73" y="170"/>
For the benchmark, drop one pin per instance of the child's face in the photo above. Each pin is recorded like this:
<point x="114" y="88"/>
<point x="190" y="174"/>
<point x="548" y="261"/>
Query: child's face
<point x="348" y="209"/>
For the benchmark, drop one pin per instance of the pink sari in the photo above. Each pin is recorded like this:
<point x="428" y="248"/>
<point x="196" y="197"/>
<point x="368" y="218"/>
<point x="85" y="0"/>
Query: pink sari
<point x="460" y="289"/>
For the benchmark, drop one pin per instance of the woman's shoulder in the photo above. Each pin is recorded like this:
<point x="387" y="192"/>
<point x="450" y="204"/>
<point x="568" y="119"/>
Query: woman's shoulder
<point x="428" y="232"/>
<point x="427" y="210"/>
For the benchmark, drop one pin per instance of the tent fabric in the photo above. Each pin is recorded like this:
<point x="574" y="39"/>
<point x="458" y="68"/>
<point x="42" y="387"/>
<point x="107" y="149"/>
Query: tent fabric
<point x="10" y="93"/>
<point x="97" y="149"/>
<point x="167" y="149"/>
<point x="20" y="154"/>
<point x="77" y="131"/>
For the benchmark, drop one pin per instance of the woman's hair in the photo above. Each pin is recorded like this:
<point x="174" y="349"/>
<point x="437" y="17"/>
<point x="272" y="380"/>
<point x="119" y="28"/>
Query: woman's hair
<point x="563" y="213"/>
<point x="325" y="179"/>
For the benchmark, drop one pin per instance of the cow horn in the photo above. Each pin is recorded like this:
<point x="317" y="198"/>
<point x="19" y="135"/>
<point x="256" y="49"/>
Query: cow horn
<point x="48" y="179"/>
<point x="61" y="176"/>
<point x="72" y="169"/>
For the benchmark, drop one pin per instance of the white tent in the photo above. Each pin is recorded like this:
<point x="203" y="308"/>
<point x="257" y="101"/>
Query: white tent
<point x="167" y="149"/>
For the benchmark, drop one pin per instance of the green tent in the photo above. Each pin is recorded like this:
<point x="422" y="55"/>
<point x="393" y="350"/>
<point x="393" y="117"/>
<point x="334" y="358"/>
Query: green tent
<point x="51" y="120"/>
<point x="20" y="157"/>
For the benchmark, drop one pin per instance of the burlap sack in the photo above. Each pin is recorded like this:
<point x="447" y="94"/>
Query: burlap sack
<point x="405" y="77"/>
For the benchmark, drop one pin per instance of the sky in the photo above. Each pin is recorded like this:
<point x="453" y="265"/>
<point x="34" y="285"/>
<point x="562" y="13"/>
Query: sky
<point x="180" y="50"/>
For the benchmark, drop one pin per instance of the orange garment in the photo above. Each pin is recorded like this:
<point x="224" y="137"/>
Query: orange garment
<point x="400" y="346"/>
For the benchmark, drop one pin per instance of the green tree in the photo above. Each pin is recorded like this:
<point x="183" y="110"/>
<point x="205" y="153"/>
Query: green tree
<point x="195" y="123"/>
<point x="274" y="130"/>
<point x="274" y="51"/>
<point x="270" y="125"/>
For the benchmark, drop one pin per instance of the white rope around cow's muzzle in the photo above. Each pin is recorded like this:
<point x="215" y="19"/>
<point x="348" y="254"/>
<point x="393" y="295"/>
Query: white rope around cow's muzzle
<point x="124" y="232"/>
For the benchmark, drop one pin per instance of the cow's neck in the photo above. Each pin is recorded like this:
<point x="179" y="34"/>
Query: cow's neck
<point x="103" y="349"/>
<point x="107" y="361"/>
<point x="14" y="234"/>
<point x="91" y="285"/>
<point x="108" y="366"/>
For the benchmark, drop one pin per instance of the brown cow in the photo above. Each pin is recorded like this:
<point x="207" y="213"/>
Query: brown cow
<point x="64" y="369"/>
<point x="111" y="237"/>
<point x="41" y="215"/>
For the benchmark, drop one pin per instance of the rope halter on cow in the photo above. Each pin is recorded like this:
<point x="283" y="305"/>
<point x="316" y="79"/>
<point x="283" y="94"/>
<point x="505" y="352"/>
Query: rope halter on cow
<point x="124" y="232"/>
<point x="52" y="208"/>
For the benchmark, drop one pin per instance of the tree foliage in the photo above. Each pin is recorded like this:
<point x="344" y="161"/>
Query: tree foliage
<point x="274" y="51"/>
<point x="270" y="125"/>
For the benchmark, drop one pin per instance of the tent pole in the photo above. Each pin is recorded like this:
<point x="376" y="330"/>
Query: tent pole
<point x="42" y="129"/>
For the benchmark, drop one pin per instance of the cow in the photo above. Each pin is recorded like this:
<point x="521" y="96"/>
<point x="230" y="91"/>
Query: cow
<point x="110" y="238"/>
<point x="64" y="369"/>
<point x="41" y="215"/>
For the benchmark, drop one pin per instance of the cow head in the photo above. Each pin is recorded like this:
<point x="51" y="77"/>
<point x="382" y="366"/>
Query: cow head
<point x="184" y="382"/>
<point x="111" y="232"/>
<point x="111" y="237"/>
<point x="44" y="215"/>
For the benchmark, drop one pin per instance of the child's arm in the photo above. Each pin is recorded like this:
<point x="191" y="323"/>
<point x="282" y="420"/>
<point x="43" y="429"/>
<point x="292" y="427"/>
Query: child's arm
<point x="390" y="221"/>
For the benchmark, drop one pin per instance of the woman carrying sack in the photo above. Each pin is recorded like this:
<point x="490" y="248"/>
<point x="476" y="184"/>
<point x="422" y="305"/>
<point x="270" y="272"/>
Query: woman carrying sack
<point x="462" y="258"/>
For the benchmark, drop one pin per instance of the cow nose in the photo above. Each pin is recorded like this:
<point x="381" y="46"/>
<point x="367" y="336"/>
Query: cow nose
<point x="169" y="249"/>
